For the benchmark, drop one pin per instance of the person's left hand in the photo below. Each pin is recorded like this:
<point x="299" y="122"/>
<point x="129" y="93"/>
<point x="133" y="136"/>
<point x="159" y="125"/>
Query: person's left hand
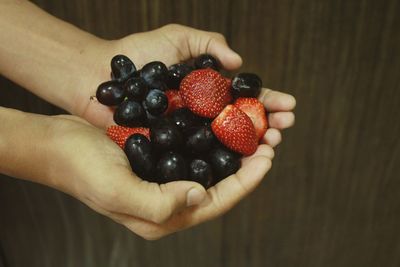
<point x="86" y="164"/>
<point x="172" y="44"/>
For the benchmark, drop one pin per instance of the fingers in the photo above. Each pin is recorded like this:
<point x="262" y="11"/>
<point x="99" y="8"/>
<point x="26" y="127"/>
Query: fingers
<point x="262" y="150"/>
<point x="98" y="114"/>
<point x="150" y="201"/>
<point x="232" y="189"/>
<point x="199" y="42"/>
<point x="275" y="101"/>
<point x="272" y="137"/>
<point x="215" y="44"/>
<point x="224" y="195"/>
<point x="220" y="199"/>
<point x="281" y="120"/>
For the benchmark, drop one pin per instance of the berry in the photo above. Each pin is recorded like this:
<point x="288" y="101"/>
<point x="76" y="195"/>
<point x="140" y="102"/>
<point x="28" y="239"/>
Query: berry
<point x="246" y="85"/>
<point x="176" y="73"/>
<point x="155" y="74"/>
<point x="200" y="140"/>
<point x="156" y="102"/>
<point x="119" y="134"/>
<point x="174" y="101"/>
<point x="152" y="120"/>
<point x="130" y="113"/>
<point x="110" y="93"/>
<point x="205" y="61"/>
<point x="205" y="92"/>
<point x="224" y="163"/>
<point x="122" y="67"/>
<point x="136" y="88"/>
<point x="200" y="172"/>
<point x="184" y="119"/>
<point x="256" y="111"/>
<point x="166" y="136"/>
<point x="235" y="130"/>
<point x="139" y="154"/>
<point x="171" y="167"/>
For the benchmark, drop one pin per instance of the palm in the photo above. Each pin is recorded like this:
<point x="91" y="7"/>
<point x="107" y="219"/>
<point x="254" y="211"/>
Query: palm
<point x="172" y="44"/>
<point x="98" y="174"/>
<point x="141" y="48"/>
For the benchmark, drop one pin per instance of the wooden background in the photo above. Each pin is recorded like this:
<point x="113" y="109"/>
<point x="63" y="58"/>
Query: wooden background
<point x="333" y="196"/>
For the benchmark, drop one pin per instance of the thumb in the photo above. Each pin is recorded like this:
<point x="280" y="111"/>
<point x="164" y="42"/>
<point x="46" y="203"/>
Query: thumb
<point x="157" y="203"/>
<point x="203" y="42"/>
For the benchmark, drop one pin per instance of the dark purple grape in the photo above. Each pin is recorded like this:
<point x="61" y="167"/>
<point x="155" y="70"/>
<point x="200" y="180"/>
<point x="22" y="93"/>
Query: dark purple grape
<point x="156" y="102"/>
<point x="224" y="163"/>
<point x="171" y="167"/>
<point x="130" y="113"/>
<point x="122" y="67"/>
<point x="176" y="73"/>
<point x="205" y="61"/>
<point x="155" y="74"/>
<point x="184" y="119"/>
<point x="139" y="153"/>
<point x="110" y="93"/>
<point x="200" y="140"/>
<point x="166" y="136"/>
<point x="246" y="85"/>
<point x="136" y="88"/>
<point x="200" y="172"/>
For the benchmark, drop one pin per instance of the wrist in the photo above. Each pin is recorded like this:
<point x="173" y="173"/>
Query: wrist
<point x="24" y="145"/>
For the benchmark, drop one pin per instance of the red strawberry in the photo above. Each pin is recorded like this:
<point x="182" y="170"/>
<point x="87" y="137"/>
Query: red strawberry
<point x="174" y="101"/>
<point x="235" y="130"/>
<point x="256" y="111"/>
<point x="205" y="92"/>
<point x="119" y="134"/>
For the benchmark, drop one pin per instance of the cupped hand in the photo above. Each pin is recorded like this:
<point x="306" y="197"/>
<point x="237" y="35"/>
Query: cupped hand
<point x="172" y="44"/>
<point x="105" y="181"/>
<point x="86" y="164"/>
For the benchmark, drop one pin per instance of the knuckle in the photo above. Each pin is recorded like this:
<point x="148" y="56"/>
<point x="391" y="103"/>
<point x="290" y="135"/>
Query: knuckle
<point x="219" y="36"/>
<point x="173" y="26"/>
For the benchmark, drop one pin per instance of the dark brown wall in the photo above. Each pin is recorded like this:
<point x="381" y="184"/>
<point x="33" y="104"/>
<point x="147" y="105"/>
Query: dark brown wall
<point x="333" y="196"/>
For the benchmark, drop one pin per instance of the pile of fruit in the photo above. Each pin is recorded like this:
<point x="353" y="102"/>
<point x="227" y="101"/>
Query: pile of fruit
<point x="183" y="122"/>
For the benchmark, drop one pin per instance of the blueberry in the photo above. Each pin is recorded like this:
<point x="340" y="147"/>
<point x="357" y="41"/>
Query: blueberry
<point x="200" y="140"/>
<point x="136" y="88"/>
<point x="166" y="136"/>
<point x="130" y="113"/>
<point x="223" y="163"/>
<point x="110" y="93"/>
<point x="176" y="73"/>
<point x="184" y="119"/>
<point x="200" y="172"/>
<point x="246" y="85"/>
<point x="156" y="102"/>
<point x="138" y="151"/>
<point x="122" y="67"/>
<point x="205" y="61"/>
<point x="155" y="74"/>
<point x="171" y="167"/>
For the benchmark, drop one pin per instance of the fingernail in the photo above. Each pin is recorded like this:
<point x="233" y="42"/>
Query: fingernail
<point x="194" y="197"/>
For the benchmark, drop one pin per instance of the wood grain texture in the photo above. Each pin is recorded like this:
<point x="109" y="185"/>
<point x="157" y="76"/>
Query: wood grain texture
<point x="332" y="197"/>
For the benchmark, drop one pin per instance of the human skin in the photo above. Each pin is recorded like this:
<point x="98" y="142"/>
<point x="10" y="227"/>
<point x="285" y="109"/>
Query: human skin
<point x="63" y="65"/>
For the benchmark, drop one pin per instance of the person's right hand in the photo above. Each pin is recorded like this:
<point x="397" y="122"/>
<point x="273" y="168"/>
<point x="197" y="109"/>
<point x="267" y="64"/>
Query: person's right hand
<point x="84" y="162"/>
<point x="172" y="44"/>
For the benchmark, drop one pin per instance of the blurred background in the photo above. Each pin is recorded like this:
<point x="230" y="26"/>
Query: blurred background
<point x="333" y="195"/>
